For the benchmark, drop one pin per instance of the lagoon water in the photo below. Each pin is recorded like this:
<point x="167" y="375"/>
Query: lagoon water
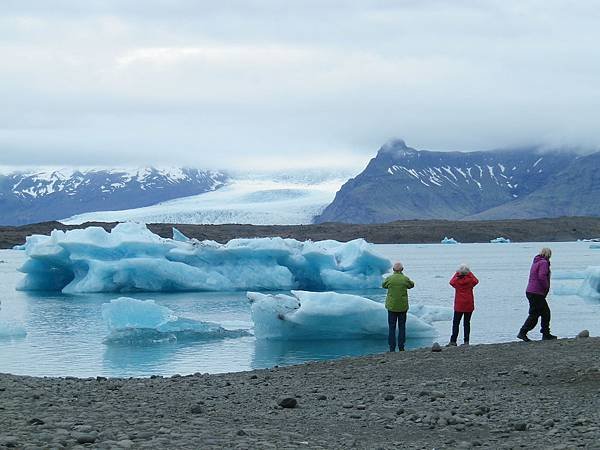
<point x="65" y="333"/>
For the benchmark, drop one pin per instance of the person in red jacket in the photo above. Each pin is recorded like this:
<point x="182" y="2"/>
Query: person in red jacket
<point x="463" y="282"/>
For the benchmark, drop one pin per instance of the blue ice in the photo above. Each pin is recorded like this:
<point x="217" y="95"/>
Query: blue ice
<point x="329" y="315"/>
<point x="131" y="258"/>
<point x="132" y="321"/>
<point x="590" y="287"/>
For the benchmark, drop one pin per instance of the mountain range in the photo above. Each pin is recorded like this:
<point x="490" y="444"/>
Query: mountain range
<point x="399" y="183"/>
<point x="32" y="196"/>
<point x="402" y="183"/>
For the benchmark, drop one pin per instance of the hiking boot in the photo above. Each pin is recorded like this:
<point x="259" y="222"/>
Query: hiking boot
<point x="451" y="344"/>
<point x="523" y="336"/>
<point x="548" y="337"/>
<point x="400" y="349"/>
<point x="466" y="343"/>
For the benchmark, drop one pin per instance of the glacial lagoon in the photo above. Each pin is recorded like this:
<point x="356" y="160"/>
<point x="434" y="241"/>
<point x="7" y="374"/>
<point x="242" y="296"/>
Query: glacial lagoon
<point x="66" y="333"/>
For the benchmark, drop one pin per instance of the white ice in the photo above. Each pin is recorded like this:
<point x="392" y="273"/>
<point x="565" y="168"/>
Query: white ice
<point x="258" y="200"/>
<point x="500" y="240"/>
<point x="590" y="287"/>
<point x="132" y="321"/>
<point x="328" y="315"/>
<point x="448" y="240"/>
<point x="132" y="258"/>
<point x="10" y="329"/>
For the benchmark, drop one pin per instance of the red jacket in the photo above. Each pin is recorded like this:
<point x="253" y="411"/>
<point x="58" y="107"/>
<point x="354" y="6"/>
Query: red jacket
<point x="463" y="298"/>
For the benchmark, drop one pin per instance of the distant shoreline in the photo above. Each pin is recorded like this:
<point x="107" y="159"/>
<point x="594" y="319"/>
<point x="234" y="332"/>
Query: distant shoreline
<point x="400" y="232"/>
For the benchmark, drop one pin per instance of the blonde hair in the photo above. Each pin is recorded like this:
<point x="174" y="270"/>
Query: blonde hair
<point x="463" y="269"/>
<point x="398" y="267"/>
<point x="545" y="252"/>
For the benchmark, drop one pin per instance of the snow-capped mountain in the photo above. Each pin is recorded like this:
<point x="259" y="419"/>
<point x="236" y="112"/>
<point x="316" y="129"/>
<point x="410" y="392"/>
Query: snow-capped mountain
<point x="404" y="183"/>
<point x="260" y="199"/>
<point x="29" y="196"/>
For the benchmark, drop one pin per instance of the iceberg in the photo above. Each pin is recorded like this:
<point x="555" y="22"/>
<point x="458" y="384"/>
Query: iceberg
<point x="328" y="315"/>
<point x="448" y="240"/>
<point x="131" y="258"/>
<point x="133" y="321"/>
<point x="594" y="246"/>
<point x="590" y="287"/>
<point x="500" y="240"/>
<point x="11" y="330"/>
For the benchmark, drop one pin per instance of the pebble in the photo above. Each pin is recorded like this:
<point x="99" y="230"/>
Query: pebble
<point x="520" y="426"/>
<point x="288" y="402"/>
<point x="197" y="409"/>
<point x="84" y="438"/>
<point x="388" y="397"/>
<point x="583" y="334"/>
<point x="436" y="347"/>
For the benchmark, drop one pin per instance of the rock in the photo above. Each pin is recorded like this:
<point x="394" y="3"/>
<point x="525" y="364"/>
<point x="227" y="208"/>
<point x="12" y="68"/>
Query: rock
<point x="347" y="405"/>
<point x="436" y="347"/>
<point x="288" y="402"/>
<point x="549" y="423"/>
<point x="322" y="397"/>
<point x="197" y="409"/>
<point x="125" y="443"/>
<point x="361" y="407"/>
<point x="36" y="421"/>
<point x="241" y="433"/>
<point x="9" y="441"/>
<point x="400" y="411"/>
<point x="101" y="378"/>
<point x="520" y="426"/>
<point x="388" y="397"/>
<point x="84" y="438"/>
<point x="583" y="334"/>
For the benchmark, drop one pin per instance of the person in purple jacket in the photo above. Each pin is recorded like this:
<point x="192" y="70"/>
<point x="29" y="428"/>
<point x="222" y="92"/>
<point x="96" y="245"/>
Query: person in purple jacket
<point x="537" y="290"/>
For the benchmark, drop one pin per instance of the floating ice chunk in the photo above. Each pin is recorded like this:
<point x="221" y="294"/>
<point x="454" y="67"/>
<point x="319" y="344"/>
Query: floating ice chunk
<point x="432" y="313"/>
<point x="11" y="329"/>
<point x="19" y="247"/>
<point x="590" y="288"/>
<point x="500" y="240"/>
<point x="325" y="315"/>
<point x="594" y="246"/>
<point x="448" y="240"/>
<point x="569" y="274"/>
<point x="133" y="321"/>
<point x="131" y="258"/>
<point x="565" y="289"/>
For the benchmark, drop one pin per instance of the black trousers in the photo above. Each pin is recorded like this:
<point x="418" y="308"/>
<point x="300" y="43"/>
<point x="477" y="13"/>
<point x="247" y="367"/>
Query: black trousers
<point x="538" y="307"/>
<point x="394" y="317"/>
<point x="466" y="323"/>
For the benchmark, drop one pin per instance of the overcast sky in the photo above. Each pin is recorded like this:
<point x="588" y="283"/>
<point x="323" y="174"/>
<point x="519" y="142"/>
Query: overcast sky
<point x="277" y="83"/>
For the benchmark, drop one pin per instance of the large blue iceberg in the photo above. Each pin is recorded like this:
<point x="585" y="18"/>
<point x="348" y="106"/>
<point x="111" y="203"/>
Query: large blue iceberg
<point x="331" y="315"/>
<point x="133" y="321"/>
<point x="590" y="287"/>
<point x="131" y="258"/>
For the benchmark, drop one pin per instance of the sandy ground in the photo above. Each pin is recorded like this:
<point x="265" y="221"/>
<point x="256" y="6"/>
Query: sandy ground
<point x="542" y="395"/>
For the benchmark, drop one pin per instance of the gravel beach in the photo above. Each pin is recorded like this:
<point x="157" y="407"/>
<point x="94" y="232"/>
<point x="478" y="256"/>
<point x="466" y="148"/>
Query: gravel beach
<point x="516" y="395"/>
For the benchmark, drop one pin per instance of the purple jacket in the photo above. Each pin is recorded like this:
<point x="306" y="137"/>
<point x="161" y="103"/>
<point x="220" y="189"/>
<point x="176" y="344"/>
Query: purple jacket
<point x="539" y="276"/>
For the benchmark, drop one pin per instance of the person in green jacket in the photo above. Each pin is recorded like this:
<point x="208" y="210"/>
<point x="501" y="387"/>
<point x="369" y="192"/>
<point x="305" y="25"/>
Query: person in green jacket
<point x="396" y="303"/>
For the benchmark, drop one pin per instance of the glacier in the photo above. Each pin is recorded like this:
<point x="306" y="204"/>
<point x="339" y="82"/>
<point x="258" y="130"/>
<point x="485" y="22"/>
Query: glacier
<point x="259" y="199"/>
<point x="130" y="258"/>
<point x="331" y="315"/>
<point x="139" y="322"/>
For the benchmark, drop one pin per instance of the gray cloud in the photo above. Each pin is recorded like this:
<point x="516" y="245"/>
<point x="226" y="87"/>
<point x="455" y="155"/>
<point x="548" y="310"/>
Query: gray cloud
<point x="255" y="83"/>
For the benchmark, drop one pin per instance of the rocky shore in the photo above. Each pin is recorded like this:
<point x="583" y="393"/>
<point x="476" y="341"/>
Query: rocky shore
<point x="542" y="395"/>
<point x="400" y="232"/>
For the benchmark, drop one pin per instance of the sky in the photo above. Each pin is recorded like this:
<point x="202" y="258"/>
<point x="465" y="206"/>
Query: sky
<point x="283" y="84"/>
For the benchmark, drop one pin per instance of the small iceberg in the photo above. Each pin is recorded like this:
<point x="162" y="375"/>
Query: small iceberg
<point x="500" y="240"/>
<point x="594" y="246"/>
<point x="329" y="315"/>
<point x="141" y="322"/>
<point x="590" y="288"/>
<point x="448" y="240"/>
<point x="10" y="330"/>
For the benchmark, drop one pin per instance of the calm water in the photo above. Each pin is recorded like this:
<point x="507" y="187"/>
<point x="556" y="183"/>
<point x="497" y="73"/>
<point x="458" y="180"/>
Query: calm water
<point x="65" y="333"/>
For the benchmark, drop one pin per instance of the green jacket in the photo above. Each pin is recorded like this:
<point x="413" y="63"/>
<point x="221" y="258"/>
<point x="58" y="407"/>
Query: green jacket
<point x="397" y="295"/>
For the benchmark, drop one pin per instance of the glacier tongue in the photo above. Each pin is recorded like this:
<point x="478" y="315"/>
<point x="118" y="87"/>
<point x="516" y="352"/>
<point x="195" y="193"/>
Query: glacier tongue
<point x="132" y="258"/>
<point x="330" y="315"/>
